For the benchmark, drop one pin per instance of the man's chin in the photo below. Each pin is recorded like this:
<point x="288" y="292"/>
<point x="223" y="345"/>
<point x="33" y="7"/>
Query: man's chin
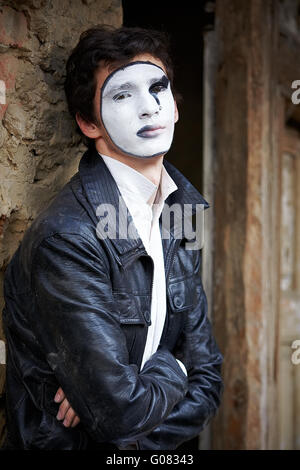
<point x="142" y="149"/>
<point x="157" y="153"/>
<point x="147" y="149"/>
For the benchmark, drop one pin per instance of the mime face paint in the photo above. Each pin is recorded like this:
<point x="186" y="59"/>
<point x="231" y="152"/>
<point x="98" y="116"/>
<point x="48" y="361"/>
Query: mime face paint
<point x="138" y="110"/>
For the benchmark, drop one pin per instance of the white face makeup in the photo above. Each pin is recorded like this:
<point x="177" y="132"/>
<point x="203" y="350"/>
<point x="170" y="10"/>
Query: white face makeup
<point x="138" y="110"/>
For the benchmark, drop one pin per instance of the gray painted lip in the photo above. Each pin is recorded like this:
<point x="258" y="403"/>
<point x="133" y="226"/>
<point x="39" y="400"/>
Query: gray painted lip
<point x="147" y="129"/>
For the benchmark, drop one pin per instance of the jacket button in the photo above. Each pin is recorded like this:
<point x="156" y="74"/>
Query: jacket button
<point x="147" y="315"/>
<point x="177" y="301"/>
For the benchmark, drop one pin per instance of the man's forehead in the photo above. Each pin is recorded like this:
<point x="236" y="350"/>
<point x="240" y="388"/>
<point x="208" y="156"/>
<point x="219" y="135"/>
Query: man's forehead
<point x="132" y="72"/>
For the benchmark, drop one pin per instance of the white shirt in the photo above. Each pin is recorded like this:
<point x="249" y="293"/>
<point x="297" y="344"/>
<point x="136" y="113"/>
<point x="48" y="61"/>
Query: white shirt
<point x="139" y="194"/>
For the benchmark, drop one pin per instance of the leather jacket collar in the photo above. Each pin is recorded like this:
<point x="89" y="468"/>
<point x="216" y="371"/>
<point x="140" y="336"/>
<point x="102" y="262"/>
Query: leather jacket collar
<point x="100" y="187"/>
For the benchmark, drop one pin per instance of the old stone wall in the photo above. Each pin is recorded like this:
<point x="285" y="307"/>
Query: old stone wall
<point x="39" y="148"/>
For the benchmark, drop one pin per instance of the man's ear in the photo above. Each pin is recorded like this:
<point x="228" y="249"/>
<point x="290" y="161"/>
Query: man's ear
<point x="176" y="113"/>
<point x="89" y="129"/>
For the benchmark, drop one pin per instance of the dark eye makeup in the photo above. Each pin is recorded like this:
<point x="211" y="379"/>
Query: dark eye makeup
<point x="160" y="85"/>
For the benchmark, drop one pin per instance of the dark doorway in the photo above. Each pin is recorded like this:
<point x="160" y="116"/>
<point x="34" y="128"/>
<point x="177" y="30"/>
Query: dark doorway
<point x="185" y="26"/>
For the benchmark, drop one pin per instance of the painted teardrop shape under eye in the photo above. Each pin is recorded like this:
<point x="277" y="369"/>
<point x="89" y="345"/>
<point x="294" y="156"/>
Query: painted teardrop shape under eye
<point x="163" y="84"/>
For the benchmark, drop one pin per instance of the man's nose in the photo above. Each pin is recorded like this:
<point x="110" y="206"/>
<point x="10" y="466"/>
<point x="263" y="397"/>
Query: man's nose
<point x="148" y="106"/>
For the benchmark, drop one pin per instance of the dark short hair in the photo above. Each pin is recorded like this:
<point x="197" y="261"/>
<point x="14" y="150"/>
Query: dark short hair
<point x="115" y="47"/>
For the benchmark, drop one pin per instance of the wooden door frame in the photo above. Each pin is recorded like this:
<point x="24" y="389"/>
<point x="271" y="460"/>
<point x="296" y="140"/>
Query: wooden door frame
<point x="241" y="149"/>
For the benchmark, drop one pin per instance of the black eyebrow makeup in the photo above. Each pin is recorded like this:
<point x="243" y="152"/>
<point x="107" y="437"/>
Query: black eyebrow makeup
<point x="163" y="81"/>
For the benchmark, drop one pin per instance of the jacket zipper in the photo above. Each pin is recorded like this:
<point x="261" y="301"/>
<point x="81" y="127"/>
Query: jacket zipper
<point x="168" y="272"/>
<point x="144" y="253"/>
<point x="171" y="259"/>
<point x="152" y="279"/>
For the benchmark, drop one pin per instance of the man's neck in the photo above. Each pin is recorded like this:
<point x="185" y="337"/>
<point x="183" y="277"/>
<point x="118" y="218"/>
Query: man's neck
<point x="149" y="167"/>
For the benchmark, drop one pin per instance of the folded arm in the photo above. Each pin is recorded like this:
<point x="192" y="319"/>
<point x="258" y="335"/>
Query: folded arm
<point x="85" y="347"/>
<point x="200" y="354"/>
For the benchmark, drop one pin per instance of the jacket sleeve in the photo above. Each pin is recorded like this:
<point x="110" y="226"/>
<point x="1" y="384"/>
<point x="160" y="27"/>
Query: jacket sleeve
<point x="76" y="324"/>
<point x="200" y="354"/>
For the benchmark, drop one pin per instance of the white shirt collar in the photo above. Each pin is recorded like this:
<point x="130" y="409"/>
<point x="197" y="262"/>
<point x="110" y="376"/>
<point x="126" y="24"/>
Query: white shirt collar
<point x="135" y="185"/>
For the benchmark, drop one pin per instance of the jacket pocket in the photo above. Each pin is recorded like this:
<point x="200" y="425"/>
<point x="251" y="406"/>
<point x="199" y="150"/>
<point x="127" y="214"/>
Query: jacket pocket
<point x="127" y="311"/>
<point x="51" y="434"/>
<point x="48" y="394"/>
<point x="130" y="313"/>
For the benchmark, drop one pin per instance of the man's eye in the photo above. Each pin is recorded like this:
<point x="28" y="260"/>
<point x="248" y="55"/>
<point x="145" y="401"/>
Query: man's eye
<point x="121" y="96"/>
<point x="157" y="88"/>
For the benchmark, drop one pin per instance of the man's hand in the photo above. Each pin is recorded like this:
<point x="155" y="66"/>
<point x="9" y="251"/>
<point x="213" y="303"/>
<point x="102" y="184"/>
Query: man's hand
<point x="65" y="411"/>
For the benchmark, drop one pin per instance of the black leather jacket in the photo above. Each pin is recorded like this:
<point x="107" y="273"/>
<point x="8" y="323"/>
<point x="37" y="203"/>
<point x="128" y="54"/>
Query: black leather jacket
<point x="77" y="310"/>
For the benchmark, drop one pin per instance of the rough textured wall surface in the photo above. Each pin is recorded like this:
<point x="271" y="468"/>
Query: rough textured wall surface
<point x="39" y="148"/>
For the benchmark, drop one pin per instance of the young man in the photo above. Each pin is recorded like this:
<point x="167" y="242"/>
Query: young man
<point x="103" y="312"/>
